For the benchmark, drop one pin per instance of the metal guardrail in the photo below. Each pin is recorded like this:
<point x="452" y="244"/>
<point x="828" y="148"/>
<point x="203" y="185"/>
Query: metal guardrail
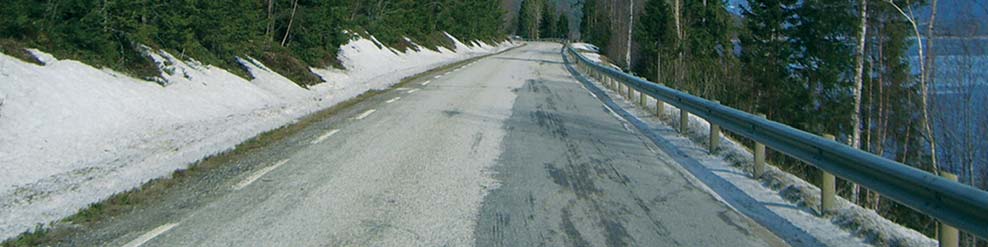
<point x="952" y="203"/>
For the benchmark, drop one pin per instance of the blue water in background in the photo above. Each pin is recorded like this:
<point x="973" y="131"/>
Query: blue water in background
<point x="959" y="103"/>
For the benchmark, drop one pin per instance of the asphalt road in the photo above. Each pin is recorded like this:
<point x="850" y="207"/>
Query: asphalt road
<point x="508" y="151"/>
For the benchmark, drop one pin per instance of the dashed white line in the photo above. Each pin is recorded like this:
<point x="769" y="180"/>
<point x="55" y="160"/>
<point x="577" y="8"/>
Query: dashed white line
<point x="150" y="235"/>
<point x="371" y="111"/>
<point x="324" y="136"/>
<point x="437" y="77"/>
<point x="426" y="83"/>
<point x="413" y="90"/>
<point x="258" y="174"/>
<point x="402" y="89"/>
<point x="392" y="100"/>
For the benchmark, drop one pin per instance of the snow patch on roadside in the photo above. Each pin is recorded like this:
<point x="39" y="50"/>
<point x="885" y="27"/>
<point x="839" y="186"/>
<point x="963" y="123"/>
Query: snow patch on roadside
<point x="788" y="196"/>
<point x="74" y="134"/>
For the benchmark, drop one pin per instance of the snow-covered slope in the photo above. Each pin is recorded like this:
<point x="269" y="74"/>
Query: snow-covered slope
<point x="72" y="134"/>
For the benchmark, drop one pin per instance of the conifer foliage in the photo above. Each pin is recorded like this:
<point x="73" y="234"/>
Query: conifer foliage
<point x="287" y="35"/>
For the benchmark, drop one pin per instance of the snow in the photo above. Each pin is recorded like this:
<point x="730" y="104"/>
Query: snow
<point x="787" y="196"/>
<point x="592" y="52"/>
<point x="585" y="47"/>
<point x="74" y="134"/>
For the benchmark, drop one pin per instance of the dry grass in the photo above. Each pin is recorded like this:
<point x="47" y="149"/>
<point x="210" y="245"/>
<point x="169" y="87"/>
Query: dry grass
<point x="16" y="49"/>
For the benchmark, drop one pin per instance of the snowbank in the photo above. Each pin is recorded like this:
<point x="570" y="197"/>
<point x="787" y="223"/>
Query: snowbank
<point x="791" y="198"/>
<point x="592" y="52"/>
<point x="73" y="134"/>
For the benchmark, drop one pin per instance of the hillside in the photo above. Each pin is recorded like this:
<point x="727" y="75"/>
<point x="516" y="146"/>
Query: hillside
<point x="288" y="35"/>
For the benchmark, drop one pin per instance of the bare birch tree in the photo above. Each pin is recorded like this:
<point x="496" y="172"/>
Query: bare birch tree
<point x="291" y="20"/>
<point x="923" y="77"/>
<point x="858" y="77"/>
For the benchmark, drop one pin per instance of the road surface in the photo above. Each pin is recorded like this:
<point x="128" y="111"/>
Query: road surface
<point x="509" y="150"/>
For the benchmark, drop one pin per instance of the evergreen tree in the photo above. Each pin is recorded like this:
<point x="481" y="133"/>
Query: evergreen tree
<point x="525" y="19"/>
<point x="767" y="53"/>
<point x="654" y="35"/>
<point x="547" y="24"/>
<point x="707" y="46"/>
<point x="595" y="26"/>
<point x="824" y="36"/>
<point x="562" y="27"/>
<point x="287" y="35"/>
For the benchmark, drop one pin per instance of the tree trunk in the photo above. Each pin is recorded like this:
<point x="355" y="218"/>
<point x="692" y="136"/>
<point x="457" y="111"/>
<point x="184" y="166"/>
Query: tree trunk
<point x="658" y="64"/>
<point x="923" y="75"/>
<point x="858" y="77"/>
<point x="677" y="19"/>
<point x="291" y="20"/>
<point x="631" y="24"/>
<point x="270" y="27"/>
<point x="930" y="69"/>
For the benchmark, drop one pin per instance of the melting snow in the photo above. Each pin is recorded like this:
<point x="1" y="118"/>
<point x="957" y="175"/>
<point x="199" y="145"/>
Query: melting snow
<point x="73" y="134"/>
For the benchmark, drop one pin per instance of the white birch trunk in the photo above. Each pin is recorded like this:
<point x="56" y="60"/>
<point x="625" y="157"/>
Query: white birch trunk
<point x="858" y="78"/>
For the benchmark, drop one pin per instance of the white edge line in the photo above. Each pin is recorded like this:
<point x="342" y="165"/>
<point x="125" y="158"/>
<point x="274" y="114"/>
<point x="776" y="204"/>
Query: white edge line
<point x="324" y="136"/>
<point x="150" y="235"/>
<point x="260" y="173"/>
<point x="392" y="100"/>
<point x="368" y="112"/>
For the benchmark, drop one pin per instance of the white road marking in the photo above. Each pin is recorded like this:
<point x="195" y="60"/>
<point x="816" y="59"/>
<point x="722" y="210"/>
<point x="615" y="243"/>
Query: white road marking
<point x="368" y="112"/>
<point x="437" y="77"/>
<point x="392" y="100"/>
<point x="403" y="89"/>
<point x="324" y="136"/>
<point x="260" y="173"/>
<point x="413" y="90"/>
<point x="150" y="235"/>
<point x="426" y="83"/>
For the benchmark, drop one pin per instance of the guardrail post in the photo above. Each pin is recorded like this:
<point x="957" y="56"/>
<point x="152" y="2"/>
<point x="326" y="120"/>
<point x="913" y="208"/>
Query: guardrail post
<point x="759" y="166"/>
<point x="630" y="96"/>
<point x="949" y="236"/>
<point x="714" y="136"/>
<point x="684" y="119"/>
<point x="828" y="189"/>
<point x="642" y="100"/>
<point x="660" y="108"/>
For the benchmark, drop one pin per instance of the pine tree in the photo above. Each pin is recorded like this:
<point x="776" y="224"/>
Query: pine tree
<point x="767" y="53"/>
<point x="707" y="47"/>
<point x="547" y="27"/>
<point x="654" y="35"/>
<point x="562" y="27"/>
<point x="595" y="26"/>
<point x="525" y="19"/>
<point x="824" y="35"/>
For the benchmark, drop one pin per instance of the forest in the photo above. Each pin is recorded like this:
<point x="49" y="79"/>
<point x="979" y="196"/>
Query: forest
<point x="540" y="19"/>
<point x="854" y="69"/>
<point x="288" y="36"/>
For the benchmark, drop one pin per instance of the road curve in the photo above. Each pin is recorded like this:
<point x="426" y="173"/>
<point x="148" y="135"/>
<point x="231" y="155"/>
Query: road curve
<point x="507" y="151"/>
